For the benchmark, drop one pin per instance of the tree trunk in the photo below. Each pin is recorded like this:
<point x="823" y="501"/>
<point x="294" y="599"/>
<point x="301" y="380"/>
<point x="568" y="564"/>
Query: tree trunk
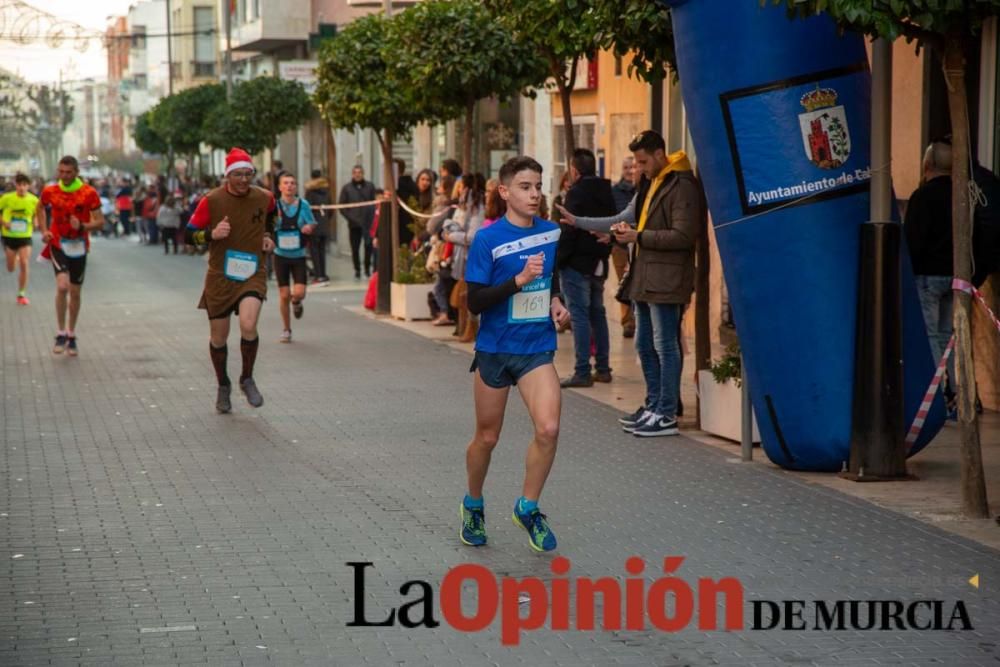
<point x="390" y="189"/>
<point x="470" y="108"/>
<point x="331" y="175"/>
<point x="565" y="90"/>
<point x="974" y="503"/>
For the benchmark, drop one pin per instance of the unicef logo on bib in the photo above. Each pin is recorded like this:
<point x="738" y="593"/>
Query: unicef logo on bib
<point x="532" y="303"/>
<point x="240" y="266"/>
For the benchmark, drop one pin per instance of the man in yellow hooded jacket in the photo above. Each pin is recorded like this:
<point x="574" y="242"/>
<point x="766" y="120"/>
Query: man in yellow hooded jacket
<point x="662" y="223"/>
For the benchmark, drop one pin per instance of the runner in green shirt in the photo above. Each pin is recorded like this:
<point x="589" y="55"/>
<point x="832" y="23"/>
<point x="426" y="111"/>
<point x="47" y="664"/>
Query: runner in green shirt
<point x="18" y="211"/>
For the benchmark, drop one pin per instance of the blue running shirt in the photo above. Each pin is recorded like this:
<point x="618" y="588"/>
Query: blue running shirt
<point x="498" y="253"/>
<point x="299" y="215"/>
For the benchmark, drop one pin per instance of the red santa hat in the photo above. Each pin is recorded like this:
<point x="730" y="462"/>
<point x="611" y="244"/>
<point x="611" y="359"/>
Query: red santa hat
<point x="238" y="159"/>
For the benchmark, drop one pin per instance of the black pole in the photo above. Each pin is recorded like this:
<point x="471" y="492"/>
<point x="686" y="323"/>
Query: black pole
<point x="384" y="259"/>
<point x="878" y="450"/>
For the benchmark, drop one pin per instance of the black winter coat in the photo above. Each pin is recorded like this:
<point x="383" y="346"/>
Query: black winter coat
<point x="578" y="249"/>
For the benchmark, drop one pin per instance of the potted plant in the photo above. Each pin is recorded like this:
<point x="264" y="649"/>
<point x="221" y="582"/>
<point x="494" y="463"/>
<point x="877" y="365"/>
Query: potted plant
<point x="408" y="296"/>
<point x="721" y="394"/>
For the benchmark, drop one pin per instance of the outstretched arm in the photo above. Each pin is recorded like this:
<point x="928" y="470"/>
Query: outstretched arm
<point x="626" y="215"/>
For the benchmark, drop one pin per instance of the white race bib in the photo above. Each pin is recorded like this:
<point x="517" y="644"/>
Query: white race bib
<point x="73" y="248"/>
<point x="240" y="266"/>
<point x="532" y="303"/>
<point x="289" y="240"/>
<point x="18" y="226"/>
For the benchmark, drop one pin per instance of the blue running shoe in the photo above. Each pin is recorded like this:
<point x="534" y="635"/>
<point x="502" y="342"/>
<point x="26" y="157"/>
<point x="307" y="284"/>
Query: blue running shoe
<point x="656" y="426"/>
<point x="540" y="536"/>
<point x="473" y="526"/>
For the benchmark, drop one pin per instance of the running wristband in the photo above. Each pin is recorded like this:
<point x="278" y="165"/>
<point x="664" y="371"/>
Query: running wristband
<point x="194" y="236"/>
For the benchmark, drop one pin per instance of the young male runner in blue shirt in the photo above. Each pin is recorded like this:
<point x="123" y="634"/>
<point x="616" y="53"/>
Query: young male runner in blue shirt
<point x="513" y="287"/>
<point x="294" y="219"/>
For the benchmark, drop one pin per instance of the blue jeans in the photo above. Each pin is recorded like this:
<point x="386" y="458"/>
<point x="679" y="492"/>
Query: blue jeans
<point x="937" y="302"/>
<point x="659" y="353"/>
<point x="585" y="301"/>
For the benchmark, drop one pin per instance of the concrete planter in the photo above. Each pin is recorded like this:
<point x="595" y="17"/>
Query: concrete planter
<point x="409" y="302"/>
<point x="720" y="408"/>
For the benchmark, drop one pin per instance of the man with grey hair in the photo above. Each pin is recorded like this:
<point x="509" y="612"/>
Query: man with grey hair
<point x="927" y="226"/>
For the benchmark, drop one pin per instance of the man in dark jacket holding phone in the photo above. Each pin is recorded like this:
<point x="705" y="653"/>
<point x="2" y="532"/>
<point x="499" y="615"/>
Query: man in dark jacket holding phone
<point x="582" y="259"/>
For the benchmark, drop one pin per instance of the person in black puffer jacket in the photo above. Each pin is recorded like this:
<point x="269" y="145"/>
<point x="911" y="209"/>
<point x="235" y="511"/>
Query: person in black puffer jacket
<point x="582" y="260"/>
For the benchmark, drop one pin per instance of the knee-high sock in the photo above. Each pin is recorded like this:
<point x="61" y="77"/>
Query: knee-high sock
<point x="249" y="350"/>
<point x="219" y="356"/>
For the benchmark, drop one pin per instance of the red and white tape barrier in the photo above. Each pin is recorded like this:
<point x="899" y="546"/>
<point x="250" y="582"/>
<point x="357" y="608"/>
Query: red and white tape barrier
<point x="925" y="405"/>
<point x="957" y="285"/>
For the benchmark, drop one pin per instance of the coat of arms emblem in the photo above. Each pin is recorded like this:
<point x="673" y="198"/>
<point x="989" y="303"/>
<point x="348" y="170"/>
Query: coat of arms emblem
<point x="824" y="129"/>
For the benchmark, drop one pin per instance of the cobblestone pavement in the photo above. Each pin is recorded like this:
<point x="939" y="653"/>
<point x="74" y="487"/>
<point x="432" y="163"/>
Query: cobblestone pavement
<point x="138" y="527"/>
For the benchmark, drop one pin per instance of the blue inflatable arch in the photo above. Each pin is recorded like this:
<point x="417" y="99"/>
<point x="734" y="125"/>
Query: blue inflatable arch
<point x="779" y="112"/>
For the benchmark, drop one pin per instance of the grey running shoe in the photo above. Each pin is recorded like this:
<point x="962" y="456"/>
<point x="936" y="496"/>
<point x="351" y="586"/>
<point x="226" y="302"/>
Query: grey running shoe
<point x="71" y="348"/>
<point x="222" y="402"/>
<point x="297" y="310"/>
<point x="249" y="388"/>
<point x="60" y="345"/>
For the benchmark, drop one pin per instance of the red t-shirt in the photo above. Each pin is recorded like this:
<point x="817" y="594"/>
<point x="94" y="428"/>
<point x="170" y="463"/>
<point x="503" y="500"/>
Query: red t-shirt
<point x="150" y="206"/>
<point x="64" y="204"/>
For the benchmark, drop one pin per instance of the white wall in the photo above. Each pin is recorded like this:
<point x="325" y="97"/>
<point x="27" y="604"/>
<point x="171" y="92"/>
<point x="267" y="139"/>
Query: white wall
<point x="536" y="135"/>
<point x="153" y="60"/>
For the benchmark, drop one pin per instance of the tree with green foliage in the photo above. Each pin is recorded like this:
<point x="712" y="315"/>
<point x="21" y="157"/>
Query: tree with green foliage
<point x="641" y="30"/>
<point x="180" y="118"/>
<point x="260" y="110"/>
<point x="358" y="86"/>
<point x="146" y="138"/>
<point x="948" y="27"/>
<point x="451" y="52"/>
<point x="561" y="32"/>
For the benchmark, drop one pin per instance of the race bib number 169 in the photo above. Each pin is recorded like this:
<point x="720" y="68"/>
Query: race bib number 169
<point x="532" y="303"/>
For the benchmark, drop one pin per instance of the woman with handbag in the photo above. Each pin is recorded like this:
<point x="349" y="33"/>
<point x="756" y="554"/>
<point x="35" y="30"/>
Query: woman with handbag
<point x="439" y="260"/>
<point x="460" y="232"/>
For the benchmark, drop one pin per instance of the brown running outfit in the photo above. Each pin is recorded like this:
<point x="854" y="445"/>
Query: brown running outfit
<point x="250" y="217"/>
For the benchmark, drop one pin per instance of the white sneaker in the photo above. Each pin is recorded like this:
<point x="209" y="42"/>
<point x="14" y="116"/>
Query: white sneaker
<point x="286" y="336"/>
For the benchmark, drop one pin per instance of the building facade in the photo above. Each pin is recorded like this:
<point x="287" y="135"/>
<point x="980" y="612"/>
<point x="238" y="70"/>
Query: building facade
<point x="148" y="69"/>
<point x="194" y="54"/>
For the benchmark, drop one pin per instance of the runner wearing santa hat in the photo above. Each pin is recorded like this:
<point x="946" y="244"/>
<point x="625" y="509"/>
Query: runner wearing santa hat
<point x="236" y="221"/>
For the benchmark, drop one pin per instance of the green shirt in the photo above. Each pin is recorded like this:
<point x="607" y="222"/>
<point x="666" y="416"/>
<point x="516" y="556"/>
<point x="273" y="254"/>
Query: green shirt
<point x="19" y="214"/>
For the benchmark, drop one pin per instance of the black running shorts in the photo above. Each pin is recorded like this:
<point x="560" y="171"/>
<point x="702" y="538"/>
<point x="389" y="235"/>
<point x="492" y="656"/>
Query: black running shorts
<point x="74" y="266"/>
<point x="290" y="270"/>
